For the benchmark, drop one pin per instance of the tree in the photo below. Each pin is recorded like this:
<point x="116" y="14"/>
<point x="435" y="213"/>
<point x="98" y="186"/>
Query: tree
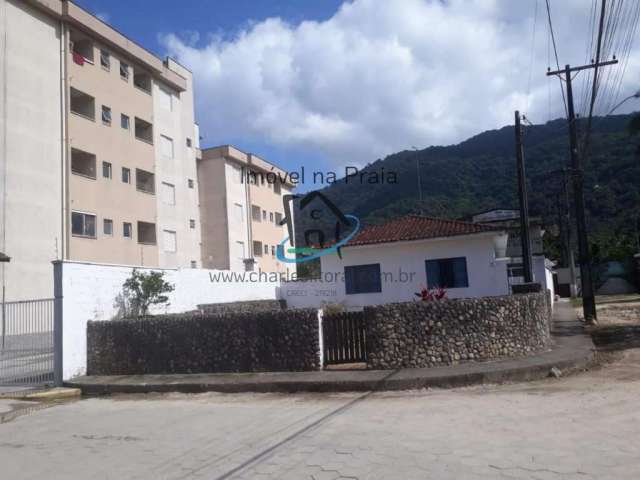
<point x="141" y="290"/>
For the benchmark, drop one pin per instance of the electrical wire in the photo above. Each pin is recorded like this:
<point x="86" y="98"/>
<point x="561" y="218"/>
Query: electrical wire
<point x="555" y="52"/>
<point x="533" y="49"/>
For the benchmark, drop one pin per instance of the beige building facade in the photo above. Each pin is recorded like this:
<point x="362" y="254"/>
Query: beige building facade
<point x="99" y="149"/>
<point x="242" y="206"/>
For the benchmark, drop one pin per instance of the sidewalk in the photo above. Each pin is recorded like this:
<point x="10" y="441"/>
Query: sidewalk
<point x="572" y="349"/>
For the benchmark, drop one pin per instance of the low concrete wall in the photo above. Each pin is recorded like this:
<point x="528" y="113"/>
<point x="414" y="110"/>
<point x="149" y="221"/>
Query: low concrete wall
<point x="285" y="340"/>
<point x="248" y="306"/>
<point x="427" y="334"/>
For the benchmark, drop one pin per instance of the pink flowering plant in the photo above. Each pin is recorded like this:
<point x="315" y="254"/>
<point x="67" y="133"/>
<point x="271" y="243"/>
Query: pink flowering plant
<point x="427" y="295"/>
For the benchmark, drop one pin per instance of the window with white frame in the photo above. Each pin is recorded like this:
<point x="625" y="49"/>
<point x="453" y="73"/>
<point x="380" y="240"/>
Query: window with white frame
<point x="238" y="213"/>
<point x="125" y="122"/>
<point x="105" y="59"/>
<point x="165" y="99"/>
<point x="107" y="226"/>
<point x="236" y="174"/>
<point x="106" y="115"/>
<point x="169" y="241"/>
<point x="240" y="250"/>
<point x="124" y="71"/>
<point x="83" y="224"/>
<point x="255" y="213"/>
<point x="168" y="193"/>
<point x="166" y="146"/>
<point x="106" y="169"/>
<point x="257" y="248"/>
<point x="127" y="230"/>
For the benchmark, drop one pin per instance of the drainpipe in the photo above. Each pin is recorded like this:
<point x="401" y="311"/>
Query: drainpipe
<point x="65" y="144"/>
<point x="247" y="190"/>
<point x="4" y="146"/>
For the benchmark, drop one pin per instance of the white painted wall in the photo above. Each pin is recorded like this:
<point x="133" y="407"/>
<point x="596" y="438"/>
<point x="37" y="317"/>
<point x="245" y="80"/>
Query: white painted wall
<point x="89" y="292"/>
<point x="30" y="150"/>
<point x="174" y="119"/>
<point x="237" y="229"/>
<point x="487" y="275"/>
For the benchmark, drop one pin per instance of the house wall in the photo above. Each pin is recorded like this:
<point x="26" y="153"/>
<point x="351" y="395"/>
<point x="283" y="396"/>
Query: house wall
<point x="110" y="198"/>
<point x="237" y="228"/>
<point x="90" y="291"/>
<point x="224" y="174"/>
<point x="213" y="184"/>
<point x="266" y="230"/>
<point x="30" y="150"/>
<point x="177" y="124"/>
<point x="403" y="263"/>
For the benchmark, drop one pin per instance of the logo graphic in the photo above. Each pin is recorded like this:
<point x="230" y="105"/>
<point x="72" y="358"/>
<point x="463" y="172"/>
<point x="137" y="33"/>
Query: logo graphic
<point x="311" y="251"/>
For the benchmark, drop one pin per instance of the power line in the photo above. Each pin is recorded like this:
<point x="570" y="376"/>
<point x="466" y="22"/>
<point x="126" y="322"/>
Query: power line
<point x="533" y="49"/>
<point x="555" y="52"/>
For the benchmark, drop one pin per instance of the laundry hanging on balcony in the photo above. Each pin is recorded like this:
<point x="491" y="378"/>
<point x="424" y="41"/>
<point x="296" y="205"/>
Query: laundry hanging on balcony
<point x="78" y="58"/>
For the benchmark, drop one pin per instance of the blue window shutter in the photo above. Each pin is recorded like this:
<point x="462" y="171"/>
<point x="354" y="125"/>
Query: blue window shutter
<point x="362" y="279"/>
<point x="461" y="279"/>
<point x="433" y="273"/>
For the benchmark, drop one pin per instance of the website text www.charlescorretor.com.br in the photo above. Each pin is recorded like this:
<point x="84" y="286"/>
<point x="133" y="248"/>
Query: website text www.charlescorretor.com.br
<point x="324" y="284"/>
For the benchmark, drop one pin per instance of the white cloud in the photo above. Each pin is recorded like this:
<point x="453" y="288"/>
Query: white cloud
<point x="383" y="75"/>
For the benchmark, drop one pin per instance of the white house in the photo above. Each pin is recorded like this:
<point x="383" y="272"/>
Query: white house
<point x="393" y="261"/>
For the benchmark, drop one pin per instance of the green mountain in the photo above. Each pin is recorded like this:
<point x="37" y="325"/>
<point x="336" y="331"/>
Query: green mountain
<point x="480" y="174"/>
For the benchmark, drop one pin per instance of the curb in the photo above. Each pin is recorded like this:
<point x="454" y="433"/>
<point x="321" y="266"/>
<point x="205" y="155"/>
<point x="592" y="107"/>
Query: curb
<point x="568" y="354"/>
<point x="49" y="395"/>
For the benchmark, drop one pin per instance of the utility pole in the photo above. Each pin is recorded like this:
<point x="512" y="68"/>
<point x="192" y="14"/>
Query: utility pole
<point x="588" y="295"/>
<point x="525" y="238"/>
<point x="572" y="265"/>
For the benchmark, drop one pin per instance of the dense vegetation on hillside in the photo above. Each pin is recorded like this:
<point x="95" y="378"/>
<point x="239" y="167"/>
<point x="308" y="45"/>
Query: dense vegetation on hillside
<point x="480" y="174"/>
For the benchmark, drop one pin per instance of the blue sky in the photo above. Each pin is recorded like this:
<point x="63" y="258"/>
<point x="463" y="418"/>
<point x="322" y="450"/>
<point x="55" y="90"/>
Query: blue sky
<point x="143" y="24"/>
<point x="325" y="84"/>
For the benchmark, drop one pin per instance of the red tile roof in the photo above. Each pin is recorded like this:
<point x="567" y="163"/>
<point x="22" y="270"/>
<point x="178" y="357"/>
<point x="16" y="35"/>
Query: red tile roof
<point x="416" y="227"/>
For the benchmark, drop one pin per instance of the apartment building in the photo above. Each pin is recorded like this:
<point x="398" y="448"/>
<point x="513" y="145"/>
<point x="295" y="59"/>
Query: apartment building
<point x="99" y="148"/>
<point x="241" y="204"/>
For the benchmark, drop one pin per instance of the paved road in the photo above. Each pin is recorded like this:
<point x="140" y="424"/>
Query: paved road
<point x="581" y="427"/>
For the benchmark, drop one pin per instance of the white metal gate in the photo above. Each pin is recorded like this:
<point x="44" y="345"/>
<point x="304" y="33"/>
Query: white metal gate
<point x="27" y="342"/>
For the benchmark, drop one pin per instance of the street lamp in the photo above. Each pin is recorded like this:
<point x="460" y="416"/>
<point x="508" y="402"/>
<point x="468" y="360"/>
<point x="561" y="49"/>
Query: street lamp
<point x="635" y="95"/>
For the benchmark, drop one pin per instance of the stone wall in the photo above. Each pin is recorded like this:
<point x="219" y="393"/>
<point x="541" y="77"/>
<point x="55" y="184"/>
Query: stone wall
<point x="284" y="340"/>
<point x="249" y="306"/>
<point x="427" y="334"/>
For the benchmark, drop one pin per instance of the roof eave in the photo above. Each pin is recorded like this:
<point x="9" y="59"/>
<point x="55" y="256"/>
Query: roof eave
<point x="489" y="233"/>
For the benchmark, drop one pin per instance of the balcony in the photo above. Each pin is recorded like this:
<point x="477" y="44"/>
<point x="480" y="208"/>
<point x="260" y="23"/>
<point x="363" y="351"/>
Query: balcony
<point x="143" y="130"/>
<point x="145" y="181"/>
<point x="142" y="80"/>
<point x="83" y="163"/>
<point x="81" y="48"/>
<point x="82" y="104"/>
<point x="147" y="233"/>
